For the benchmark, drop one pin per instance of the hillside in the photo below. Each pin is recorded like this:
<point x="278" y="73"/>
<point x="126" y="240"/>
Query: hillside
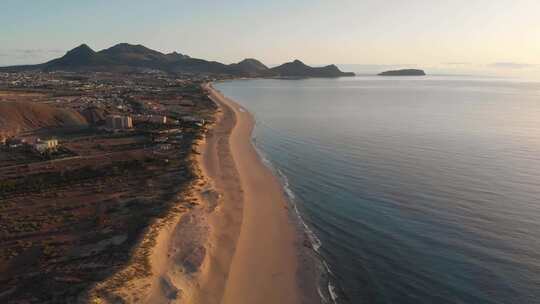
<point x="18" y="117"/>
<point x="126" y="57"/>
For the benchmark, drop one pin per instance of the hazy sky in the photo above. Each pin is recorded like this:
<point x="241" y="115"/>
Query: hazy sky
<point x="497" y="36"/>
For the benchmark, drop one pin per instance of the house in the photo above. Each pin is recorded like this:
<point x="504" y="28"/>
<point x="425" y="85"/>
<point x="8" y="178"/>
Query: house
<point x="43" y="146"/>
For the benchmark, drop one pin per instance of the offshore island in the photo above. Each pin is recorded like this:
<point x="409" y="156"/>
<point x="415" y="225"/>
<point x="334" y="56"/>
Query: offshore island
<point x="403" y="72"/>
<point x="125" y="177"/>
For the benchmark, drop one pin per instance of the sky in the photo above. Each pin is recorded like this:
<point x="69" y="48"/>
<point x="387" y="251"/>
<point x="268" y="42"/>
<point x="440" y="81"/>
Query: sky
<point x="499" y="37"/>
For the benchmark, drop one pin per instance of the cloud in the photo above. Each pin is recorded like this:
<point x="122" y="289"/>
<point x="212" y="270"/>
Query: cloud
<point x="512" y="65"/>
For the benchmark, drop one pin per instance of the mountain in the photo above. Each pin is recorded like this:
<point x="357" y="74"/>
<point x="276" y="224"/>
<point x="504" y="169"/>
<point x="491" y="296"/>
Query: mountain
<point x="249" y="66"/>
<point x="196" y="66"/>
<point x="126" y="57"/>
<point x="128" y="54"/>
<point x="122" y="56"/>
<point x="176" y="56"/>
<point x="298" y="69"/>
<point x="404" y="72"/>
<point x="79" y="57"/>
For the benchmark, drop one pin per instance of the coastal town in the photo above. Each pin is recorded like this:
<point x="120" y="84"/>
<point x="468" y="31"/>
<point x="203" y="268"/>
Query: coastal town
<point x="87" y="162"/>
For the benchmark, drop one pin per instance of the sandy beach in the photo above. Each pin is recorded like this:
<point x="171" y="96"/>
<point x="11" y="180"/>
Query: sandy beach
<point x="263" y="267"/>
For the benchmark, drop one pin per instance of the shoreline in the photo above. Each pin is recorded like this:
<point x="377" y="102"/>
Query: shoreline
<point x="264" y="266"/>
<point x="292" y="254"/>
<point x="240" y="242"/>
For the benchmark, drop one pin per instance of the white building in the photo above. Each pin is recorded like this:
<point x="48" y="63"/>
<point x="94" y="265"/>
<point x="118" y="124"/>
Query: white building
<point x="43" y="146"/>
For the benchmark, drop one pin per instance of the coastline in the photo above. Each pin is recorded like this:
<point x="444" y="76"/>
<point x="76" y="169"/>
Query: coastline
<point x="308" y="275"/>
<point x="264" y="266"/>
<point x="239" y="242"/>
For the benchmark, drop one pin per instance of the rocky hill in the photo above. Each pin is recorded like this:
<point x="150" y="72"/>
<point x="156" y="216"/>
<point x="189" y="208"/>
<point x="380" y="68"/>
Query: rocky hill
<point x="249" y="66"/>
<point x="298" y="69"/>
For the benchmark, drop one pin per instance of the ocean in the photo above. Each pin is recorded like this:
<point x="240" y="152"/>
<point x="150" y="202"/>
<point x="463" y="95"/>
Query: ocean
<point x="418" y="189"/>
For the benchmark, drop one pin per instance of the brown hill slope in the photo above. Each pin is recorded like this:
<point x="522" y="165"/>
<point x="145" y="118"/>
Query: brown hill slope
<point x="18" y="117"/>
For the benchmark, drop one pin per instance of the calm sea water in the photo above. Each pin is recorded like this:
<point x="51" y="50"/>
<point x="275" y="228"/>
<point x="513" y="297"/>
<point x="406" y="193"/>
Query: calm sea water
<point x="421" y="190"/>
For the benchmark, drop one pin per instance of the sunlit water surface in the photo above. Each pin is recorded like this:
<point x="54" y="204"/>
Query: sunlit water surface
<point x="421" y="190"/>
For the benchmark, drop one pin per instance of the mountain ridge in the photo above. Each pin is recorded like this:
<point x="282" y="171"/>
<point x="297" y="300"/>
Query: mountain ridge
<point x="129" y="57"/>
